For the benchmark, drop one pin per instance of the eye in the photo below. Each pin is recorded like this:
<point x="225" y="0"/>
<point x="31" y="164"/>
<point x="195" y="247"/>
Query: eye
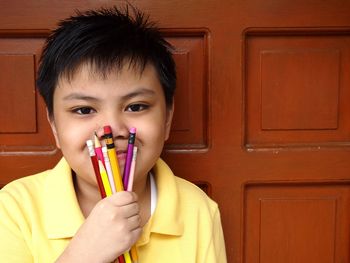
<point x="137" y="107"/>
<point x="84" y="110"/>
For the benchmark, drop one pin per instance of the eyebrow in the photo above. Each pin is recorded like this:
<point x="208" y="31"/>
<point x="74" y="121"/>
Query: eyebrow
<point x="138" y="92"/>
<point x="79" y="96"/>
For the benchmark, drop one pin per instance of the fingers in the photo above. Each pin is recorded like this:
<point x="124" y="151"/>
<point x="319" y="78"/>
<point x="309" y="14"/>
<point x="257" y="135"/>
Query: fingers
<point x="135" y="234"/>
<point x="114" y="220"/>
<point x="120" y="206"/>
<point x="134" y="222"/>
<point x="123" y="198"/>
<point x="130" y="210"/>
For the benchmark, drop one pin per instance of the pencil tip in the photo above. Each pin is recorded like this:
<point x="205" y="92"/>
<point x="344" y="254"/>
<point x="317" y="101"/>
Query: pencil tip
<point x="97" y="141"/>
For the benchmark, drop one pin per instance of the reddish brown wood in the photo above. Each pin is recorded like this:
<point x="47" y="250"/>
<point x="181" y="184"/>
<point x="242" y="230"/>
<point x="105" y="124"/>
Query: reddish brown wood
<point x="17" y="95"/>
<point x="284" y="218"/>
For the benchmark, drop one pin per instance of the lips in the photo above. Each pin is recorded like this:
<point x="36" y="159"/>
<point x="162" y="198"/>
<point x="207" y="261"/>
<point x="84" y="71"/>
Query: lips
<point x="121" y="155"/>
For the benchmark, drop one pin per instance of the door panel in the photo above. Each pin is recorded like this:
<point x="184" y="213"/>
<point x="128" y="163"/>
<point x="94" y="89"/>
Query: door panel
<point x="262" y="119"/>
<point x="290" y="222"/>
<point x="26" y="143"/>
<point x="296" y="94"/>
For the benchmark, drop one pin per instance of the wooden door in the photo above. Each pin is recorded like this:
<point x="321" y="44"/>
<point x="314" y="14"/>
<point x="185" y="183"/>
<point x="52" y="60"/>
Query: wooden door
<point x="262" y="117"/>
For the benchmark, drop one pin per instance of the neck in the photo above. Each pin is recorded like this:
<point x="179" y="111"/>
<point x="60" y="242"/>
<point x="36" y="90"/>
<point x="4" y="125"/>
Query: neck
<point x="143" y="190"/>
<point x="87" y="194"/>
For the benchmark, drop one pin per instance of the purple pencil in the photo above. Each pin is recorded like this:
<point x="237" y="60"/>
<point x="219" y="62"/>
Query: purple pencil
<point x="132" y="170"/>
<point x="129" y="154"/>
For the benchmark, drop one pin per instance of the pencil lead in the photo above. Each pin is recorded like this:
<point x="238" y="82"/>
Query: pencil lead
<point x="97" y="141"/>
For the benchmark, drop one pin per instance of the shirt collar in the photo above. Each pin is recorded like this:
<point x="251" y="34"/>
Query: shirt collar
<point x="167" y="218"/>
<point x="63" y="215"/>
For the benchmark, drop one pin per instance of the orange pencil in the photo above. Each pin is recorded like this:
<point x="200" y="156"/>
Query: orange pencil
<point x="134" y="254"/>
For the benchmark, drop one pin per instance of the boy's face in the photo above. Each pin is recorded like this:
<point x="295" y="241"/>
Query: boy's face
<point x="123" y="99"/>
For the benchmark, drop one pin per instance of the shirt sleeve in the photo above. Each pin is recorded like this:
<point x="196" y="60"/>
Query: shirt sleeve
<point x="13" y="247"/>
<point x="216" y="252"/>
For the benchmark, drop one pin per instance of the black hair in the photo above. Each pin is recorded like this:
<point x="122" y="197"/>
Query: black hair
<point x="106" y="38"/>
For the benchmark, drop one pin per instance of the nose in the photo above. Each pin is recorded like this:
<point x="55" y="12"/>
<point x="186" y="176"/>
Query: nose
<point x="119" y="127"/>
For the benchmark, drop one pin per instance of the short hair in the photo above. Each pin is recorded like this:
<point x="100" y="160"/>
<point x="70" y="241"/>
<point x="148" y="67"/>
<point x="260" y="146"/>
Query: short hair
<point x="106" y="38"/>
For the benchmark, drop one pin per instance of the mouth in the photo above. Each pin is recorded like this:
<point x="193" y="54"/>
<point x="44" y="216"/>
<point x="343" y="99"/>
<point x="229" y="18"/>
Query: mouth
<point x="121" y="155"/>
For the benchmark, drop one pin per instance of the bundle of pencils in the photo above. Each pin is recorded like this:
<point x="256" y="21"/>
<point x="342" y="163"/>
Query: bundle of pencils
<point x="109" y="180"/>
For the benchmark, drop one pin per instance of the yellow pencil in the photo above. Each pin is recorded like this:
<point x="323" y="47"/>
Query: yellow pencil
<point x="108" y="191"/>
<point x="115" y="170"/>
<point x="127" y="257"/>
<point x="104" y="178"/>
<point x="113" y="158"/>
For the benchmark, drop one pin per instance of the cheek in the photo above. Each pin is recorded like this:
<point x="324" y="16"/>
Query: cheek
<point x="73" y="146"/>
<point x="151" y="133"/>
<point x="75" y="134"/>
<point x="72" y="138"/>
<point x="152" y="141"/>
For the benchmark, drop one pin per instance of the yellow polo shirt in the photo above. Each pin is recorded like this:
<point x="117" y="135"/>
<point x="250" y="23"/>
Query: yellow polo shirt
<point x="39" y="215"/>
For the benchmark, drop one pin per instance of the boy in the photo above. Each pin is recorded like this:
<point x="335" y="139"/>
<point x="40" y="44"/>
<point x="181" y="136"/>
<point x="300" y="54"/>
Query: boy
<point x="108" y="67"/>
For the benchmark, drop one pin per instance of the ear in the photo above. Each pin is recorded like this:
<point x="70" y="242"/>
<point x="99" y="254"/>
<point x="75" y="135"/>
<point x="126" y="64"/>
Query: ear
<point x="51" y="121"/>
<point x="168" y="120"/>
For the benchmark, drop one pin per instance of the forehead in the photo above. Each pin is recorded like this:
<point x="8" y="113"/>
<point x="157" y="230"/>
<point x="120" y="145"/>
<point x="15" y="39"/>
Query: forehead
<point x="132" y="68"/>
<point x="116" y="82"/>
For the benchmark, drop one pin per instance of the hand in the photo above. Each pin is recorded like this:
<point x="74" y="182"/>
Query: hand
<point x="112" y="227"/>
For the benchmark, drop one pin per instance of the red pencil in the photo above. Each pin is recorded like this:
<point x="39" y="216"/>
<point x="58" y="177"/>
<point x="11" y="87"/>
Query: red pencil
<point x="94" y="162"/>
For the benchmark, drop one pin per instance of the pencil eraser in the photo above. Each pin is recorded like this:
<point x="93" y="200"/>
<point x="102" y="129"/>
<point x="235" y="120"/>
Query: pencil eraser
<point x="107" y="129"/>
<point x="132" y="130"/>
<point x="89" y="143"/>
